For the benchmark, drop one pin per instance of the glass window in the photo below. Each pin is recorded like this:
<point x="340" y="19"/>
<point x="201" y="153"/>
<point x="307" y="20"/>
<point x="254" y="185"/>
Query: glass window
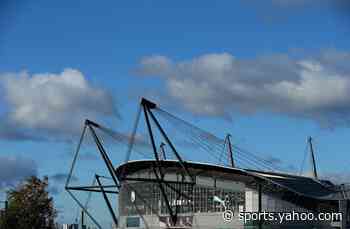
<point x="133" y="222"/>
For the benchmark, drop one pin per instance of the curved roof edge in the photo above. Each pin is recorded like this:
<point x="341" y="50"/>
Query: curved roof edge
<point x="301" y="185"/>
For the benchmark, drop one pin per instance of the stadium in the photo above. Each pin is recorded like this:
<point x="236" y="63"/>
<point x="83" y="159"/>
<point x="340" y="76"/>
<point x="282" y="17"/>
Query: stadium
<point x="167" y="191"/>
<point x="247" y="191"/>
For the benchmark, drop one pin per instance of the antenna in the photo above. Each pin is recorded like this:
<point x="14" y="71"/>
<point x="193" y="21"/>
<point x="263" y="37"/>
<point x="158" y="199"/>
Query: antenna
<point x="230" y="154"/>
<point x="313" y="161"/>
<point x="162" y="151"/>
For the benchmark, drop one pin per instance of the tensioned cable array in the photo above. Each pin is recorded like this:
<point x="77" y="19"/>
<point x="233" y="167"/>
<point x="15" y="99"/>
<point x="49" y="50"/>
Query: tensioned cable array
<point x="134" y="144"/>
<point x="195" y="138"/>
<point x="215" y="146"/>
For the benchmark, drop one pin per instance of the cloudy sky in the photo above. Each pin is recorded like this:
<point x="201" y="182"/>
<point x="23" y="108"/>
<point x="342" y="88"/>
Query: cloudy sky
<point x="269" y="72"/>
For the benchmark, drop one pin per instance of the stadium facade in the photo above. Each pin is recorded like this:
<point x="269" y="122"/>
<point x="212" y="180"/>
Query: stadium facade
<point x="142" y="205"/>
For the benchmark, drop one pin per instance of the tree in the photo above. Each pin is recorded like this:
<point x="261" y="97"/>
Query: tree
<point x="30" y="206"/>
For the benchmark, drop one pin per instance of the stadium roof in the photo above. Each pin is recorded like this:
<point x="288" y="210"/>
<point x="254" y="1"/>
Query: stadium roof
<point x="305" y="186"/>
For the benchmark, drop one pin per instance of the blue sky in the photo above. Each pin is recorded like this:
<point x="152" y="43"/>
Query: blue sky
<point x="271" y="73"/>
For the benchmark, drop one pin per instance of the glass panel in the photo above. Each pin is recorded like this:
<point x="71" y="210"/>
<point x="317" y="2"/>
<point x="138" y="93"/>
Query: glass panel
<point x="133" y="222"/>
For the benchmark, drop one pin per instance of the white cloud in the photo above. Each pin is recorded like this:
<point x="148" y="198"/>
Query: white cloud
<point x="158" y="63"/>
<point x="52" y="103"/>
<point x="221" y="84"/>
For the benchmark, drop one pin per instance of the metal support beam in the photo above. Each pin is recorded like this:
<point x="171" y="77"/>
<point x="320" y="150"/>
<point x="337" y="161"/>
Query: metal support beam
<point x="150" y="132"/>
<point x="182" y="162"/>
<point x="230" y="153"/>
<point x="92" y="186"/>
<point x="146" y="111"/>
<point x="87" y="189"/>
<point x="82" y="219"/>
<point x="313" y="161"/>
<point x="107" y="200"/>
<point x="76" y="155"/>
<point x="83" y="208"/>
<point x="104" y="155"/>
<point x="147" y="107"/>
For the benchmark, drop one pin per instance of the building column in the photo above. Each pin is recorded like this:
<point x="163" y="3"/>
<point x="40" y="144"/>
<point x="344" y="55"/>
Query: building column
<point x="260" y="204"/>
<point x="343" y="209"/>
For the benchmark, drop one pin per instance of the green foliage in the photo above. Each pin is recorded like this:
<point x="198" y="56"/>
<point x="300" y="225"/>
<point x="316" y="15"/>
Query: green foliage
<point x="30" y="206"/>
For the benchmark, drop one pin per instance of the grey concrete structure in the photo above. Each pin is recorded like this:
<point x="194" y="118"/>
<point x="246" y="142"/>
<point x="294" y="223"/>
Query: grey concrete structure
<point x="142" y="205"/>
